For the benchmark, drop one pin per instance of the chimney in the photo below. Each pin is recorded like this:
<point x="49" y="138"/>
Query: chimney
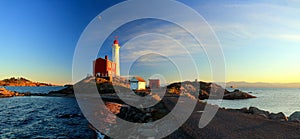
<point x="106" y="57"/>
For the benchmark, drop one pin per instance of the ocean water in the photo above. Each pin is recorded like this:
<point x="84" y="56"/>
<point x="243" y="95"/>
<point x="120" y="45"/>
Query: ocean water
<point x="59" y="117"/>
<point x="33" y="89"/>
<point x="42" y="117"/>
<point x="286" y="100"/>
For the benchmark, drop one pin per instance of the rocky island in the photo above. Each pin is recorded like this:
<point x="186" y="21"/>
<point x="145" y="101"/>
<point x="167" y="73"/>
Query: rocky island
<point x="21" y="82"/>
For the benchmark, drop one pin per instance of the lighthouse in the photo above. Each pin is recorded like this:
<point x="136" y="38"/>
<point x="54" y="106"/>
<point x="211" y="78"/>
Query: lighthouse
<point x="115" y="56"/>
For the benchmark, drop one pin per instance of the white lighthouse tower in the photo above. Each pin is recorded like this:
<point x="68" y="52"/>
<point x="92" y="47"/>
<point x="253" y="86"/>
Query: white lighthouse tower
<point x="115" y="55"/>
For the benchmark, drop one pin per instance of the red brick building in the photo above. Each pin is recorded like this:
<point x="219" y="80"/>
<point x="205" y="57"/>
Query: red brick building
<point x="104" y="68"/>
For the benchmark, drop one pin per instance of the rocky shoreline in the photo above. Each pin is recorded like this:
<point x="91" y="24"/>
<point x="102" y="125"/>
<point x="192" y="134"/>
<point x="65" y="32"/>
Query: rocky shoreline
<point x="69" y="92"/>
<point x="4" y="93"/>
<point x="294" y="117"/>
<point x="125" y="112"/>
<point x="235" y="124"/>
<point x="65" y="92"/>
<point x="231" y="123"/>
<point x="228" y="123"/>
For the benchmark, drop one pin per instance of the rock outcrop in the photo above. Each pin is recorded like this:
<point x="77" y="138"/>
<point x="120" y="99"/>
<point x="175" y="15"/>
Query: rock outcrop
<point x="237" y="94"/>
<point x="295" y="117"/>
<point x="206" y="89"/>
<point x="262" y="113"/>
<point x="278" y="116"/>
<point x="144" y="115"/>
<point x="66" y="92"/>
<point x="113" y="107"/>
<point x="256" y="111"/>
<point x="6" y="93"/>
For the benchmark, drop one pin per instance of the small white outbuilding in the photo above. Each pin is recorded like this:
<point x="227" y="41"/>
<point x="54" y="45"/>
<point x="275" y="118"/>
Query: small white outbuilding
<point x="137" y="83"/>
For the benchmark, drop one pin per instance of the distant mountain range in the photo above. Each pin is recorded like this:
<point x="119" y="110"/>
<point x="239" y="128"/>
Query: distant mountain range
<point x="261" y="85"/>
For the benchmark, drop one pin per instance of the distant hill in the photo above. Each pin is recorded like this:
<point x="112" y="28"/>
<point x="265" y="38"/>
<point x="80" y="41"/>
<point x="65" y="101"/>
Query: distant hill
<point x="21" y="82"/>
<point x="262" y="85"/>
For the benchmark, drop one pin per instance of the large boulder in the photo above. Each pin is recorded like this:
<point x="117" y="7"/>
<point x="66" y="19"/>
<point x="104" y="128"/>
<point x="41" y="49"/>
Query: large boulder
<point x="203" y="95"/>
<point x="113" y="107"/>
<point x="256" y="111"/>
<point x="278" y="116"/>
<point x="237" y="94"/>
<point x="295" y="117"/>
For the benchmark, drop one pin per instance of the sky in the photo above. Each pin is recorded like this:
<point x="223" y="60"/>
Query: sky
<point x="260" y="40"/>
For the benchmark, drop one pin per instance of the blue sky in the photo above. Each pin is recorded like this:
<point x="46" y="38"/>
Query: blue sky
<point x="260" y="39"/>
<point x="38" y="38"/>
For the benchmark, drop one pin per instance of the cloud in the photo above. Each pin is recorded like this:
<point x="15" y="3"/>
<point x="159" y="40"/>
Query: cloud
<point x="288" y="37"/>
<point x="153" y="44"/>
<point x="159" y="37"/>
<point x="246" y="22"/>
<point x="161" y="44"/>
